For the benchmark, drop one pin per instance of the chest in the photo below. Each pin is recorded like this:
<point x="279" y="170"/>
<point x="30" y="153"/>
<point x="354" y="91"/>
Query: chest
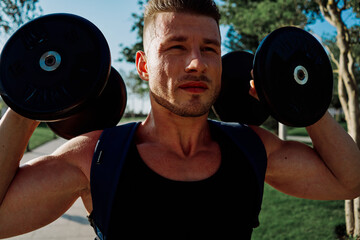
<point x="172" y="166"/>
<point x="212" y="203"/>
<point x="225" y="172"/>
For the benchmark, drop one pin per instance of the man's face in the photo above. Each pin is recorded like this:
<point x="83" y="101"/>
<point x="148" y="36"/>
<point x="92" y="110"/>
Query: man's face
<point x="183" y="56"/>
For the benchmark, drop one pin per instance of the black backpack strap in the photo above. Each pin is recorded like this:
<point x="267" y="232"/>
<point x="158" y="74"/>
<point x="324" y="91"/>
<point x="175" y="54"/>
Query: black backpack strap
<point x="254" y="150"/>
<point x="108" y="159"/>
<point x="250" y="144"/>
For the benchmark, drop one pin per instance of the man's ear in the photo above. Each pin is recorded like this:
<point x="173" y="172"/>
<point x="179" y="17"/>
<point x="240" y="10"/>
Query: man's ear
<point x="141" y="65"/>
<point x="252" y="90"/>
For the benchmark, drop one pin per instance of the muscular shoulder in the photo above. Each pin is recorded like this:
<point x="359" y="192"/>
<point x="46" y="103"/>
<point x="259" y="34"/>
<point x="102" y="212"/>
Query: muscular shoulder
<point x="271" y="141"/>
<point x="79" y="151"/>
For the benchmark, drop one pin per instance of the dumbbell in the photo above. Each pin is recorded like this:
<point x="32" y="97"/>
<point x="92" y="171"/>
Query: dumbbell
<point x="293" y="78"/>
<point x="57" y="69"/>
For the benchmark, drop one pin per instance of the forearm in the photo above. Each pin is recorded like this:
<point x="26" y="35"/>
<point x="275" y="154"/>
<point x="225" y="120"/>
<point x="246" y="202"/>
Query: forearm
<point x="338" y="151"/>
<point x="15" y="132"/>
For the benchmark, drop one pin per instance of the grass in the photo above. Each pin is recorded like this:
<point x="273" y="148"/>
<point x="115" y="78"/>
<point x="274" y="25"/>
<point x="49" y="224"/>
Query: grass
<point x="41" y="135"/>
<point x="297" y="132"/>
<point x="284" y="217"/>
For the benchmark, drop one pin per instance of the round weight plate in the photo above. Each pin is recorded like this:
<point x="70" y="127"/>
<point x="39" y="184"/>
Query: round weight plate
<point x="103" y="112"/>
<point x="52" y="65"/>
<point x="234" y="103"/>
<point x="293" y="76"/>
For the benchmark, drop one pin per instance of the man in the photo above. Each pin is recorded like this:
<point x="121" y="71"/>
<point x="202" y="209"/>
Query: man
<point x="183" y="177"/>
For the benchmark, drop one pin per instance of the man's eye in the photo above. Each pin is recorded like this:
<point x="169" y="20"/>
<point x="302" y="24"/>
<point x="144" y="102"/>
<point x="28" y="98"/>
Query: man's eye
<point x="209" y="49"/>
<point x="178" y="47"/>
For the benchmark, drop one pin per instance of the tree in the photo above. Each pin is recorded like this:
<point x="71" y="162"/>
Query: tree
<point x="134" y="82"/>
<point x="250" y="21"/>
<point x="347" y="41"/>
<point x="14" y="13"/>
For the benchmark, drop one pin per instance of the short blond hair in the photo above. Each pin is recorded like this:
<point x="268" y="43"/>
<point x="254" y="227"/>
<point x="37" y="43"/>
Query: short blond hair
<point x="206" y="8"/>
<point x="198" y="7"/>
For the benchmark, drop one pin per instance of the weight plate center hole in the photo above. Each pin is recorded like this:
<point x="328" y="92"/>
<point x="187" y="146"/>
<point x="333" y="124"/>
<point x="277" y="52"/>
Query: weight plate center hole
<point x="301" y="75"/>
<point x="50" y="61"/>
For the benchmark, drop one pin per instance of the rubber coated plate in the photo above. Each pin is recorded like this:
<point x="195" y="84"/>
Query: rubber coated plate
<point x="234" y="103"/>
<point x="52" y="65"/>
<point x="293" y="76"/>
<point x="104" y="112"/>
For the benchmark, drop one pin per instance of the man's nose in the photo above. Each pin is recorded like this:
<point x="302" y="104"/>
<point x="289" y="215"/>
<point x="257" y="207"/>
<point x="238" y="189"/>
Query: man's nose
<point x="196" y="63"/>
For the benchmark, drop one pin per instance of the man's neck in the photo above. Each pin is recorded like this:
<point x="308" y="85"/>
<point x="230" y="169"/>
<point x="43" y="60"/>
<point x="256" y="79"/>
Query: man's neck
<point x="184" y="135"/>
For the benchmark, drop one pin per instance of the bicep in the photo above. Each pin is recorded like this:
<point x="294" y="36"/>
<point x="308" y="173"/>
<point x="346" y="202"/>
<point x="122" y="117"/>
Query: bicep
<point x="296" y="169"/>
<point x="40" y="193"/>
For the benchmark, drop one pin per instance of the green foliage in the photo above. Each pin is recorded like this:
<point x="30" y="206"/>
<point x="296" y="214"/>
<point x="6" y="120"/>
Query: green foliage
<point x="2" y="104"/>
<point x="355" y="46"/>
<point x="355" y="6"/>
<point x="127" y="53"/>
<point x="14" y="13"/>
<point x="251" y="21"/>
<point x="330" y="43"/>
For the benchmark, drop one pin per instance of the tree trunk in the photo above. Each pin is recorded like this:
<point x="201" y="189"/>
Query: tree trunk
<point x="356" y="217"/>
<point x="282" y="131"/>
<point x="348" y="95"/>
<point x="349" y="217"/>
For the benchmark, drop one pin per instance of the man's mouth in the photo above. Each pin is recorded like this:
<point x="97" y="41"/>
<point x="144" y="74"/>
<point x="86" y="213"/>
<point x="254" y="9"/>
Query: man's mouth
<point x="194" y="87"/>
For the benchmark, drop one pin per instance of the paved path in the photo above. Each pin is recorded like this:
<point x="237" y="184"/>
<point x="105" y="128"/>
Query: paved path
<point x="73" y="225"/>
<point x="304" y="139"/>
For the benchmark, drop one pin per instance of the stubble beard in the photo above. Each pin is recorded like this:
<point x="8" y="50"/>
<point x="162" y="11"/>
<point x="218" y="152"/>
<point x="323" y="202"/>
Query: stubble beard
<point x="192" y="108"/>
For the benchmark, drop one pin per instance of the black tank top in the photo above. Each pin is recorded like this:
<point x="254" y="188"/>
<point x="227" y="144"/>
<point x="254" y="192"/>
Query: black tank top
<point x="222" y="206"/>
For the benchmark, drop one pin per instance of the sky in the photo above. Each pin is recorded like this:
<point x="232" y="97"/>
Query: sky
<point x="113" y="18"/>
